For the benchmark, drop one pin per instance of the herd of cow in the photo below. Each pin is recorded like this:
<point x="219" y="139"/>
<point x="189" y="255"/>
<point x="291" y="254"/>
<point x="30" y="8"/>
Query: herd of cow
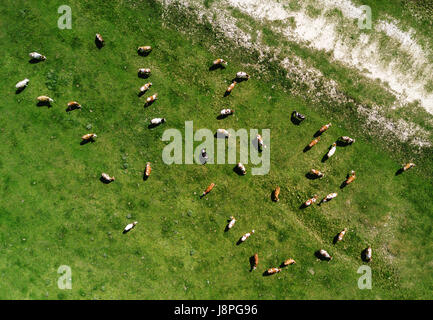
<point x="240" y="76"/>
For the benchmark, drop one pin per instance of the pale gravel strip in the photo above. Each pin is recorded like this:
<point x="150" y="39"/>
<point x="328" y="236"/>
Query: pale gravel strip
<point x="221" y="18"/>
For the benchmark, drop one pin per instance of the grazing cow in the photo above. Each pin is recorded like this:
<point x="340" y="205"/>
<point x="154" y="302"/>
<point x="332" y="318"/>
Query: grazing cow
<point x="220" y="62"/>
<point x="314" y="142"/>
<point x="231" y="223"/>
<point x="144" y="49"/>
<point x="107" y="178"/>
<point x="316" y="173"/>
<point x="89" y="137"/>
<point x="156" y="121"/>
<point x="22" y="84"/>
<point x="152" y="98"/>
<point x="341" y="234"/>
<point x="256" y="261"/>
<point x="273" y="270"/>
<point x="310" y="201"/>
<point x="332" y="150"/>
<point x="227" y="112"/>
<point x="298" y="115"/>
<point x="325" y="127"/>
<point x="368" y="257"/>
<point x="275" y="194"/>
<point x="347" y="140"/>
<point x="37" y="56"/>
<point x="329" y="197"/>
<point x="242" y="75"/>
<point x="44" y="99"/>
<point x="351" y="178"/>
<point x="324" y="254"/>
<point x="408" y="166"/>
<point x="222" y="133"/>
<point x="208" y="189"/>
<point x="231" y="86"/>
<point x="73" y="105"/>
<point x="289" y="262"/>
<point x="247" y="235"/>
<point x="147" y="170"/>
<point x="129" y="227"/>
<point x="99" y="40"/>
<point x="144" y="72"/>
<point x="260" y="142"/>
<point x="145" y="87"/>
<point x="241" y="168"/>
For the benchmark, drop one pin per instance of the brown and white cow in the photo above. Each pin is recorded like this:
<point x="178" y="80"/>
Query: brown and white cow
<point x="144" y="49"/>
<point x="230" y="87"/>
<point x="220" y="62"/>
<point x="273" y="270"/>
<point x="89" y="136"/>
<point x="341" y="235"/>
<point x="147" y="170"/>
<point x="106" y="177"/>
<point x="310" y="201"/>
<point x="325" y="127"/>
<point x="316" y="173"/>
<point x="145" y="87"/>
<point x="351" y="177"/>
<point x="314" y="142"/>
<point x="73" y="105"/>
<point x="324" y="254"/>
<point x="246" y="236"/>
<point x="408" y="166"/>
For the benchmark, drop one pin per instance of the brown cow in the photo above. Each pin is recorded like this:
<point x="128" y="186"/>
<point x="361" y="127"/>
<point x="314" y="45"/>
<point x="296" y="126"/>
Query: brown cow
<point x="208" y="189"/>
<point x="275" y="194"/>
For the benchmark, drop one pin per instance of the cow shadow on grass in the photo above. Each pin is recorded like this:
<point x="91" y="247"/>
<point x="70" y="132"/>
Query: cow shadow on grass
<point x="44" y="104"/>
<point x="153" y="125"/>
<point x="83" y="142"/>
<point x="399" y="172"/>
<point x="98" y="43"/>
<point x="239" y="241"/>
<point x="143" y="76"/>
<point x="317" y="134"/>
<point x="19" y="90"/>
<point x="311" y="176"/>
<point x="216" y="67"/>
<point x="364" y="255"/>
<point x="34" y="61"/>
<point x="335" y="240"/>
<point x="238" y="171"/>
<point x="143" y="54"/>
<point x="222" y="116"/>
<point x="252" y="263"/>
<point x="148" y="104"/>
<point x="307" y="148"/>
<point x="104" y="181"/>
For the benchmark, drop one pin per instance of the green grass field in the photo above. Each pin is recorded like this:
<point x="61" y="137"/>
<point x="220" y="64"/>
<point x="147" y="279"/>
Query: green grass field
<point x="54" y="210"/>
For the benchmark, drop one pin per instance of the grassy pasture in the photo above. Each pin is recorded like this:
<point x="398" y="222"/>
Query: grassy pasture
<point x="54" y="210"/>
